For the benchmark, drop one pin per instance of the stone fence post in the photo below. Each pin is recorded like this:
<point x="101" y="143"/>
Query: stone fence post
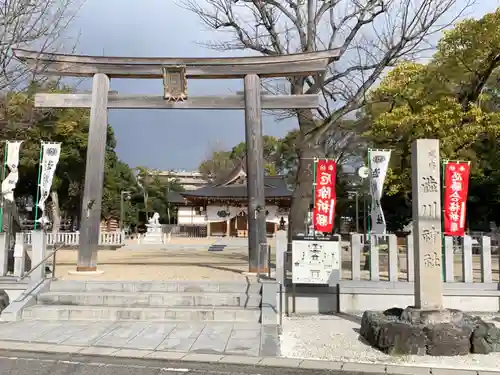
<point x="19" y="255"/>
<point x="4" y="253"/>
<point x="39" y="251"/>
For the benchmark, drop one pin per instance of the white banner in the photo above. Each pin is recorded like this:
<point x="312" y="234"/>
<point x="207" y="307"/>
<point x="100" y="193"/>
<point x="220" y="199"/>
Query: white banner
<point x="12" y="162"/>
<point x="50" y="157"/>
<point x="223" y="213"/>
<point x="378" y="165"/>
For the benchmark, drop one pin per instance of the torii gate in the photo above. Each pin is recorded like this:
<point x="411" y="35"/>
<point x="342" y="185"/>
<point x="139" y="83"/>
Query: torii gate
<point x="175" y="73"/>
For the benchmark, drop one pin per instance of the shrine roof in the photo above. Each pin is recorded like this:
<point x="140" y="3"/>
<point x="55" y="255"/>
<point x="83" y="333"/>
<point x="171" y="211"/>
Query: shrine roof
<point x="274" y="187"/>
<point x="234" y="185"/>
<point x="175" y="197"/>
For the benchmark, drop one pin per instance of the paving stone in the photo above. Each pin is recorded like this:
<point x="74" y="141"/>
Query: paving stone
<point x="186" y="330"/>
<point x="151" y="337"/>
<point x="95" y="350"/>
<point x="240" y="360"/>
<point x="12" y="331"/>
<point x="8" y="345"/>
<point x="64" y="332"/>
<point x="449" y="371"/>
<point x="65" y="349"/>
<point x="245" y="334"/>
<point x="201" y="357"/>
<point x="320" y="365"/>
<point x="243" y="346"/>
<point x="378" y="368"/>
<point x="243" y="326"/>
<point x="216" y="329"/>
<point x="269" y="346"/>
<point x="407" y="370"/>
<point x="177" y="344"/>
<point x="165" y="355"/>
<point x="121" y="334"/>
<point x="32" y="346"/>
<point x="131" y="353"/>
<point x="38" y="330"/>
<point x="92" y="334"/>
<point x="280" y="362"/>
<point x="213" y="343"/>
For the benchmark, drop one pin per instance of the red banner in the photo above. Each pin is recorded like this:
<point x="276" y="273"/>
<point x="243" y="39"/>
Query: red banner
<point x="456" y="182"/>
<point x="325" y="196"/>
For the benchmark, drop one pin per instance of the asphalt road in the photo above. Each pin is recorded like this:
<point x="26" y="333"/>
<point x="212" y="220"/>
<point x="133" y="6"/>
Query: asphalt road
<point x="24" y="363"/>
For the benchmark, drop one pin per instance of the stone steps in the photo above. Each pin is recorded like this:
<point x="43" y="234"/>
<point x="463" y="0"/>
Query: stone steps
<point x="111" y="313"/>
<point x="156" y="286"/>
<point x="147" y="299"/>
<point x="188" y="301"/>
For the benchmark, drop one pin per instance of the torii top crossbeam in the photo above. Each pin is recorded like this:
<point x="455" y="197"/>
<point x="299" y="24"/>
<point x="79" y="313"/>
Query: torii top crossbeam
<point x="299" y="64"/>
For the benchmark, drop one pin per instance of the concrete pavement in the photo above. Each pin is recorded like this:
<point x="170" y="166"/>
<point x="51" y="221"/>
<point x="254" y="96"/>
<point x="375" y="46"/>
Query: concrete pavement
<point x="248" y="339"/>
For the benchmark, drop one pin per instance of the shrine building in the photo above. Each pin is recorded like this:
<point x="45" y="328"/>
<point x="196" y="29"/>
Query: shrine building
<point x="221" y="208"/>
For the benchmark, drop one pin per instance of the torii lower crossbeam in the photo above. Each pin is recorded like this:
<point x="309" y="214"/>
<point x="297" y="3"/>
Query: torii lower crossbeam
<point x="229" y="102"/>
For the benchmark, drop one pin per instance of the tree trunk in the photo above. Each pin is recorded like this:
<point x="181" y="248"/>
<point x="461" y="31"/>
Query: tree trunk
<point x="56" y="213"/>
<point x="308" y="149"/>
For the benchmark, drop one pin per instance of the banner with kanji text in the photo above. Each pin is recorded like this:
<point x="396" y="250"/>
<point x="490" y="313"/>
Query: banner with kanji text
<point x="325" y="196"/>
<point x="456" y="187"/>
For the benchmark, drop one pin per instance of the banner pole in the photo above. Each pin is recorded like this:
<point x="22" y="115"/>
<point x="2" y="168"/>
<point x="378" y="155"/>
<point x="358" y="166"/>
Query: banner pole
<point x="6" y="145"/>
<point x="369" y="219"/>
<point x="38" y="185"/>
<point x="443" y="210"/>
<point x="315" y="162"/>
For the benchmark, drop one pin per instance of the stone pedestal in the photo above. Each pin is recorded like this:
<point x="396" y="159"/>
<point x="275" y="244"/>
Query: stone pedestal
<point x="154" y="234"/>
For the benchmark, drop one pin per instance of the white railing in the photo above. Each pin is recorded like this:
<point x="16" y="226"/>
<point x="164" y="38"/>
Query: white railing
<point x="73" y="238"/>
<point x="468" y="260"/>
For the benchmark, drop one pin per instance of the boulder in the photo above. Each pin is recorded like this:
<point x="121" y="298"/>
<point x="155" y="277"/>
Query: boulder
<point x="447" y="339"/>
<point x="402" y="338"/>
<point x="485" y="338"/>
<point x="4" y="300"/>
<point x="407" y="331"/>
<point x="384" y="331"/>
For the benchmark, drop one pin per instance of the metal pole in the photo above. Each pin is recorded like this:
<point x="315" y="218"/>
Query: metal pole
<point x="3" y="178"/>
<point x="357" y="212"/>
<point x="121" y="211"/>
<point x="368" y="220"/>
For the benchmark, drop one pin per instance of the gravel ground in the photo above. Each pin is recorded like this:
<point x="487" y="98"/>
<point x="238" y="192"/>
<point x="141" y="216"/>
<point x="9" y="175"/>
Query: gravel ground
<point x="336" y="338"/>
<point x="157" y="264"/>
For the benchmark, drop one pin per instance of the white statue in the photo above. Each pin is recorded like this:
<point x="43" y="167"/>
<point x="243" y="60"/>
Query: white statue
<point x="155" y="219"/>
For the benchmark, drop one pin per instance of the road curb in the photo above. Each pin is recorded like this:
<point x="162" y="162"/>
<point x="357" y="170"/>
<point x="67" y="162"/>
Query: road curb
<point x="279" y="362"/>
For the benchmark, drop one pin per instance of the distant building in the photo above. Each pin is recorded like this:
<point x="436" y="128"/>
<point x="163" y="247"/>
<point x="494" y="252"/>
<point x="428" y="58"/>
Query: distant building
<point x="189" y="180"/>
<point x="221" y="209"/>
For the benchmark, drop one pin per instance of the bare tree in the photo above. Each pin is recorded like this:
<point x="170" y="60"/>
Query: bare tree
<point x="370" y="35"/>
<point x="37" y="24"/>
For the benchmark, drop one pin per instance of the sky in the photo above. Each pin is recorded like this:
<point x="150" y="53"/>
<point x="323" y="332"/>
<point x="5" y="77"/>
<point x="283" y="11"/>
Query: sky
<point x="169" y="139"/>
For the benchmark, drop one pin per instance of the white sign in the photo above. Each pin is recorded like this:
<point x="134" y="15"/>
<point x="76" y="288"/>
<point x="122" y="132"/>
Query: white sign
<point x="316" y="260"/>
<point x="379" y="163"/>
<point x="12" y="162"/>
<point x="50" y="157"/>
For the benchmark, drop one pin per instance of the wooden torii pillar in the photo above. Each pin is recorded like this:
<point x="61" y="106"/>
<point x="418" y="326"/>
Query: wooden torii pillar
<point x="175" y="72"/>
